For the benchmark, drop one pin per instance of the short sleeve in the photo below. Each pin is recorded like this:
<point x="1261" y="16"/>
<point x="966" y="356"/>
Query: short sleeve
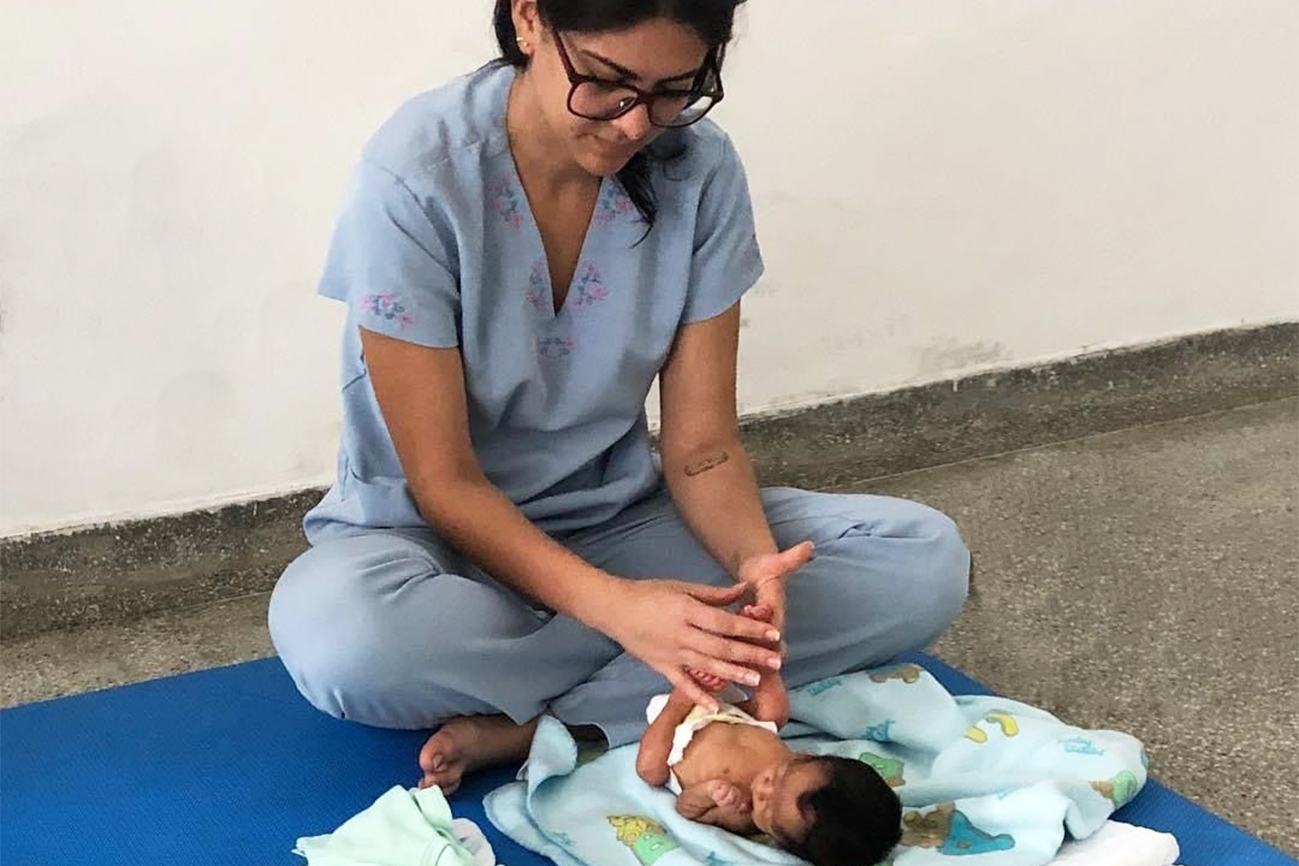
<point x="392" y="263"/>
<point x="727" y="261"/>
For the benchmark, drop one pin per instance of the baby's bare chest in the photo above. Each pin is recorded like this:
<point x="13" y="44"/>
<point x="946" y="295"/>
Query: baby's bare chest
<point x="736" y="753"/>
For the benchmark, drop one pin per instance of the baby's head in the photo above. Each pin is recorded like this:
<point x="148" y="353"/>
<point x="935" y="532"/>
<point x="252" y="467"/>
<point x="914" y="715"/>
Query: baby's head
<point x="829" y="811"/>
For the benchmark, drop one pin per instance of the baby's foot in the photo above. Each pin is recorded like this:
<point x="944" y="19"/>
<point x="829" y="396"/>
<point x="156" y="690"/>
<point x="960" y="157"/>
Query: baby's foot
<point x="469" y="743"/>
<point x="728" y="795"/>
<point x="711" y="683"/>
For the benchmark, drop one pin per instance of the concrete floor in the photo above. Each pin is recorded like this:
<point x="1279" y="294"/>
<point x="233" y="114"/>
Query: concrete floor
<point x="1143" y="580"/>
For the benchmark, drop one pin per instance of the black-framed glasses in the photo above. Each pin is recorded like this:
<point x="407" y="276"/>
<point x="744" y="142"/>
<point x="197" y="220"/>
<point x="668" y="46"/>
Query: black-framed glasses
<point x="598" y="99"/>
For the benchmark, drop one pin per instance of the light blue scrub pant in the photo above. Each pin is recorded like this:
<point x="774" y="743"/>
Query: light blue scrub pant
<point x="393" y="628"/>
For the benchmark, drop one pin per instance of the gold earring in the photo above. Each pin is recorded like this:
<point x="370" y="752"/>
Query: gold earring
<point x="523" y="43"/>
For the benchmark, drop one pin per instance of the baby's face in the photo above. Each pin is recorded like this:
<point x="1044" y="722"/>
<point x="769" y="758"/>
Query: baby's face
<point x="776" y="792"/>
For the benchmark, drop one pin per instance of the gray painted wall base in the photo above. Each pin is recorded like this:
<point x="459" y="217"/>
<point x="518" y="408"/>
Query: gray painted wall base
<point x="116" y="573"/>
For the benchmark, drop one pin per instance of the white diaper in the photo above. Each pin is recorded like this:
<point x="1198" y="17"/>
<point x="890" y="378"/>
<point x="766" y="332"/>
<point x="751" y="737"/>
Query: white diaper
<point x="698" y="719"/>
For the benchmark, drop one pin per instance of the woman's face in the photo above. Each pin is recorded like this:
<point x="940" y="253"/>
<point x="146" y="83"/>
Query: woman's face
<point x="657" y="54"/>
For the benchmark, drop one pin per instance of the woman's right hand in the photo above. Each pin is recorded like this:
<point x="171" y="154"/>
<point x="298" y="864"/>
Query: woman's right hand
<point x="672" y="625"/>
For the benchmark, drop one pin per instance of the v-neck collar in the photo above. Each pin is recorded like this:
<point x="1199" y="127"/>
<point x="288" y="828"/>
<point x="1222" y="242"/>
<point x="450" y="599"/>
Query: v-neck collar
<point x="552" y="312"/>
<point x="583" y="255"/>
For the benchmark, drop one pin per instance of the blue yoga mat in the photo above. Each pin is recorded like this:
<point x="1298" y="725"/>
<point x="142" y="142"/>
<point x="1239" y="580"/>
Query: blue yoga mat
<point x="230" y="766"/>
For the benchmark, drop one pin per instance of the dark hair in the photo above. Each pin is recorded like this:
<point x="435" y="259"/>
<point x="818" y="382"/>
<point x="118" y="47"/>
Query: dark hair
<point x="856" y="817"/>
<point x="713" y="20"/>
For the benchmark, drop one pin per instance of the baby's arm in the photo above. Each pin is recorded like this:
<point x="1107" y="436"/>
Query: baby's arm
<point x="717" y="802"/>
<point x="656" y="743"/>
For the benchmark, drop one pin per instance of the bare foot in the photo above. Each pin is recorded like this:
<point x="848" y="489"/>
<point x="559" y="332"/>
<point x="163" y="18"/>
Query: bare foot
<point x="470" y="743"/>
<point x="711" y="683"/>
<point x="770" y="701"/>
<point x="728" y="795"/>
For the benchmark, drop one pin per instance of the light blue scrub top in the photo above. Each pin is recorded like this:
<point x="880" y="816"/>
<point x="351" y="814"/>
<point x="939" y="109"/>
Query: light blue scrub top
<point x="436" y="246"/>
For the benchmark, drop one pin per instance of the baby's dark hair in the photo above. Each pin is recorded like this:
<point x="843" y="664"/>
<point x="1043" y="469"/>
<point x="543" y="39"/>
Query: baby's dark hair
<point x="856" y="817"/>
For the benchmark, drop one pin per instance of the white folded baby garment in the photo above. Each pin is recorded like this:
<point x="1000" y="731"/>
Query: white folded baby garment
<point x="469" y="835"/>
<point x="1119" y="844"/>
<point x="402" y="828"/>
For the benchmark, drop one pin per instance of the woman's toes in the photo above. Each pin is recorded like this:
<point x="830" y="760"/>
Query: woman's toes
<point x="448" y="783"/>
<point x="441" y="762"/>
<point x="439" y="751"/>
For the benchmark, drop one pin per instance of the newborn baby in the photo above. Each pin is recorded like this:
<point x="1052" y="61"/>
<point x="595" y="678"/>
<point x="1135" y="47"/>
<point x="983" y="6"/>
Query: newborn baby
<point x="731" y="769"/>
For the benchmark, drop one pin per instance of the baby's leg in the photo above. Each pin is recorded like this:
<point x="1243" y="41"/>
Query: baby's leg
<point x="770" y="701"/>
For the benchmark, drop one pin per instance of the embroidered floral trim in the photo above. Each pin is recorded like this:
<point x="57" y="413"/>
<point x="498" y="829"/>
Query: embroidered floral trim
<point x="588" y="286"/>
<point x="613" y="203"/>
<point x="538" y="293"/>
<point x="554" y="348"/>
<point x="508" y="202"/>
<point x="387" y="305"/>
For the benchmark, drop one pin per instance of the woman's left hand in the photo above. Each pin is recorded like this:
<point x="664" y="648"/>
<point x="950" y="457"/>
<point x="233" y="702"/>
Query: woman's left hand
<point x="768" y="573"/>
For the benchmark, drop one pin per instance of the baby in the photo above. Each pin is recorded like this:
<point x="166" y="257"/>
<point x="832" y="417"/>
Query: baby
<point x="730" y="769"/>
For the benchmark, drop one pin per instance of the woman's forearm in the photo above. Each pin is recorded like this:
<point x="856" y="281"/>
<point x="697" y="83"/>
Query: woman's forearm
<point x="716" y="492"/>
<point x="484" y="525"/>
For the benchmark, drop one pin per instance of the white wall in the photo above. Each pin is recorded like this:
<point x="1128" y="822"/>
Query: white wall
<point x="941" y="188"/>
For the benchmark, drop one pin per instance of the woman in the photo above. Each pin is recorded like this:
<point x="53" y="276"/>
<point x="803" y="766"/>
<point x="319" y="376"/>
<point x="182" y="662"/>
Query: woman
<point x="522" y="252"/>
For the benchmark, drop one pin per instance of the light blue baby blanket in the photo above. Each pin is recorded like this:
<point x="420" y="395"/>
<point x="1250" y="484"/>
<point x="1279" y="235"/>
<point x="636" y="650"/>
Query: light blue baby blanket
<point x="978" y="776"/>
